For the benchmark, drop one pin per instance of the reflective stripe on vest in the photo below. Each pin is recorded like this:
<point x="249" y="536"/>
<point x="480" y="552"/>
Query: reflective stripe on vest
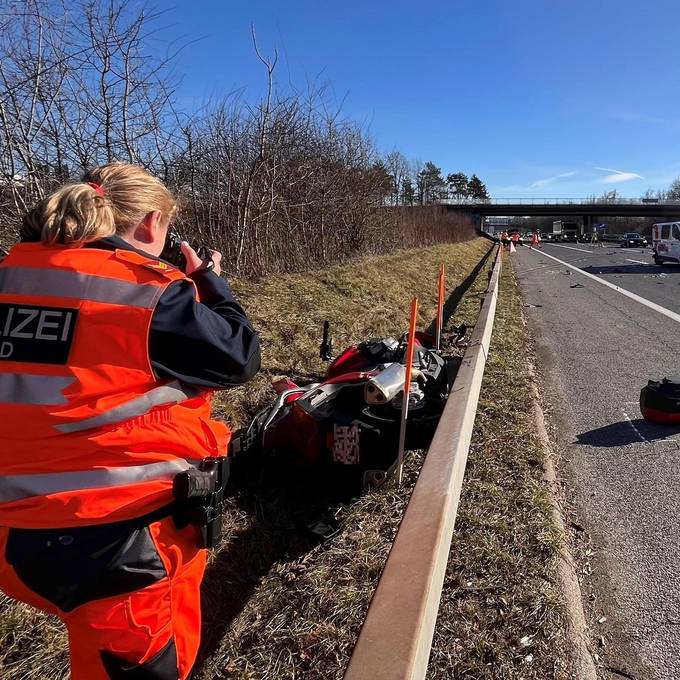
<point x="70" y="284"/>
<point x="172" y="393"/>
<point x="46" y="390"/>
<point x="25" y="388"/>
<point x="18" y="487"/>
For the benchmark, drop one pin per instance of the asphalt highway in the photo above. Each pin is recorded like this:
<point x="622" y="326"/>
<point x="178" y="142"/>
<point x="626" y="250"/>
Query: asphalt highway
<point x="596" y="349"/>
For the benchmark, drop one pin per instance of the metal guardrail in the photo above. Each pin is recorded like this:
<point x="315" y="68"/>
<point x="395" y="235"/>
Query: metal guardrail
<point x="396" y="637"/>
<point x="556" y="201"/>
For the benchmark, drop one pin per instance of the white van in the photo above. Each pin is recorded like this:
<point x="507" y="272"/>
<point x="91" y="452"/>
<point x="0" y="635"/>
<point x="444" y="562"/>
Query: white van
<point x="666" y="242"/>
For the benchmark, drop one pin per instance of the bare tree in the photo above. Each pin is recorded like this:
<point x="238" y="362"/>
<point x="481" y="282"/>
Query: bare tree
<point x="78" y="87"/>
<point x="278" y="184"/>
<point x="398" y="166"/>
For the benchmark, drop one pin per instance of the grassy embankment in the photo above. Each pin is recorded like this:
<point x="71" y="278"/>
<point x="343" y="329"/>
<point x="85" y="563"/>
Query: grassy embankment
<point x="279" y="605"/>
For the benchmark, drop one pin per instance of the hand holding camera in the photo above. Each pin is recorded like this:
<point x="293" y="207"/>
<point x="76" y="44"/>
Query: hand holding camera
<point x="194" y="261"/>
<point x="190" y="258"/>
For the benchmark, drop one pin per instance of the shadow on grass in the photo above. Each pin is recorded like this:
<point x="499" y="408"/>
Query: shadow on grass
<point x="286" y="512"/>
<point x="289" y="511"/>
<point x="459" y="291"/>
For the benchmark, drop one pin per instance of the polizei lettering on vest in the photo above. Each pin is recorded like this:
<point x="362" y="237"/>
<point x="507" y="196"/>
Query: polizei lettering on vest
<point x="33" y="334"/>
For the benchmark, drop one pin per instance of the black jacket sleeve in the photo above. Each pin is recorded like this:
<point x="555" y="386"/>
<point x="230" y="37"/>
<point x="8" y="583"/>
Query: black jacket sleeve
<point x="209" y="343"/>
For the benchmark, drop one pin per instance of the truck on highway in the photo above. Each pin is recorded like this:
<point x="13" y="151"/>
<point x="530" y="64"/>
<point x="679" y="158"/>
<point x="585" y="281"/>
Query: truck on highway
<point x="566" y="231"/>
<point x="666" y="242"/>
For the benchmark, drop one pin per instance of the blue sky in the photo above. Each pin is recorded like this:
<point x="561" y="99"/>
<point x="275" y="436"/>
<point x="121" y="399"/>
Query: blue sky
<point x="552" y="98"/>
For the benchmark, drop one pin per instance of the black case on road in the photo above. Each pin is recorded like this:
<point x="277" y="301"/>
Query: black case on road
<point x="660" y="401"/>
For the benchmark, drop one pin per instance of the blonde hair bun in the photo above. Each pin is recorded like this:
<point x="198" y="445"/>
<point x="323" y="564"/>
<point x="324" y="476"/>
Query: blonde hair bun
<point x="77" y="213"/>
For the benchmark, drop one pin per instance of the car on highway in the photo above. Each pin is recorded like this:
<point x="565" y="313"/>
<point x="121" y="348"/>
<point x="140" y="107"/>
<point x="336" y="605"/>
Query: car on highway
<point x="634" y="240"/>
<point x="666" y="242"/>
<point x="545" y="236"/>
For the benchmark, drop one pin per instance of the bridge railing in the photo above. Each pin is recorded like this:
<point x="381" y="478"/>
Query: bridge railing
<point x="557" y="201"/>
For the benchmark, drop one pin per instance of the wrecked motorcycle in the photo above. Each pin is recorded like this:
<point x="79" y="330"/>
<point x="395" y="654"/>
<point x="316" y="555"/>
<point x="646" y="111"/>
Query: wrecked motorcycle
<point x="348" y="423"/>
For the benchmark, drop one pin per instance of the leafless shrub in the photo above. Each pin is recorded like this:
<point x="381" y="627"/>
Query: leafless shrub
<point x="282" y="184"/>
<point x="78" y="88"/>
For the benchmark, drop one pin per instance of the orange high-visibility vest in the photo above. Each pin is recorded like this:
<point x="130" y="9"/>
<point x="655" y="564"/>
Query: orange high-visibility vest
<point x="88" y="434"/>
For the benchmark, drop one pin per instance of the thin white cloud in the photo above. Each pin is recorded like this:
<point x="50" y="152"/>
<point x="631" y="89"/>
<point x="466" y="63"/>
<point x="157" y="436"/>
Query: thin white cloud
<point x="551" y="180"/>
<point x="633" y="117"/>
<point x="617" y="176"/>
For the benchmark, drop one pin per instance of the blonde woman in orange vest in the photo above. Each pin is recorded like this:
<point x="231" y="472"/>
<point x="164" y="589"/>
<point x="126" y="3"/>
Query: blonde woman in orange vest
<point x="108" y="359"/>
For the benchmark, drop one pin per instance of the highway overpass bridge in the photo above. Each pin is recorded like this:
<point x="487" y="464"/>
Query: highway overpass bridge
<point x="591" y="209"/>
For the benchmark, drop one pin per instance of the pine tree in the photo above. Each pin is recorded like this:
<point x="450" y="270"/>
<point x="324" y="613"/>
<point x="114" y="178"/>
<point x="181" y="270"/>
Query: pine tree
<point x="430" y="183"/>
<point x="408" y="192"/>
<point x="458" y="184"/>
<point x="477" y="189"/>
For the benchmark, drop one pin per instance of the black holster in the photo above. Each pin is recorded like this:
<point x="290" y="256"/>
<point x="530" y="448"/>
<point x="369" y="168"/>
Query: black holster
<point x="199" y="493"/>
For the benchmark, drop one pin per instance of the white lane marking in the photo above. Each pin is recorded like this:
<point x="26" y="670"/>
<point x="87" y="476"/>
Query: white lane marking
<point x="633" y="250"/>
<point x="632" y="424"/>
<point x="580" y="250"/>
<point x="638" y="262"/>
<point x="623" y="291"/>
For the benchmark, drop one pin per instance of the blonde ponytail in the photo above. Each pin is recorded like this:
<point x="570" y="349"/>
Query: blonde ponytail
<point x="121" y="197"/>
<point x="72" y="215"/>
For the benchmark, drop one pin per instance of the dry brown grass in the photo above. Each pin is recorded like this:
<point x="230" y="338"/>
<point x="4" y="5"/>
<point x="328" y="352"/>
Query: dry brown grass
<point x="297" y="613"/>
<point x="249" y="584"/>
<point x="279" y="605"/>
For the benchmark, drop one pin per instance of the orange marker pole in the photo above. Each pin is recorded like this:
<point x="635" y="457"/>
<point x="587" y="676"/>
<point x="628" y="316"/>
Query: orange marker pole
<point x="440" y="308"/>
<point x="407" y="385"/>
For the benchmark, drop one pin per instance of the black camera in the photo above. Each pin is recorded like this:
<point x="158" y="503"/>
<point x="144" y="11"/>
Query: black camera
<point x="172" y="251"/>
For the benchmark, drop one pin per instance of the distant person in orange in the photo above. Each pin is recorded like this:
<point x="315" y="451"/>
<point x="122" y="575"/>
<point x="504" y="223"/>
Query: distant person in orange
<point x="505" y="239"/>
<point x="535" y="240"/>
<point x="515" y="238"/>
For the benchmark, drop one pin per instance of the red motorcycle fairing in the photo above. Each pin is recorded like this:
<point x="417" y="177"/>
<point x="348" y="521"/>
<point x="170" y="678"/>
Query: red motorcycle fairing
<point x="336" y="425"/>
